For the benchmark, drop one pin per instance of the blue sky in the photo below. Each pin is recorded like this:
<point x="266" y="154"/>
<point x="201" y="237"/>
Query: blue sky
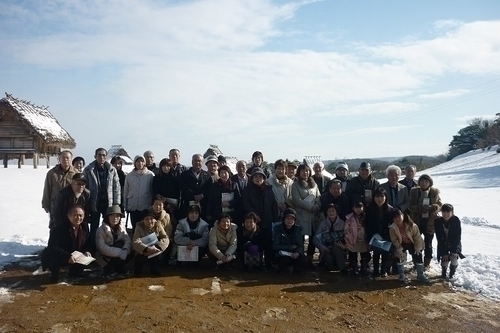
<point x="339" y="79"/>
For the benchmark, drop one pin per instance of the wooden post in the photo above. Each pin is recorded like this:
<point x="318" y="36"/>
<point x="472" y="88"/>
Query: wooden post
<point x="47" y="156"/>
<point x="23" y="159"/>
<point x="35" y="160"/>
<point x="19" y="162"/>
<point x="5" y="160"/>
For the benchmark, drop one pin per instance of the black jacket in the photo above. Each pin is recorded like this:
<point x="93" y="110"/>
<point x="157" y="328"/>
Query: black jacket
<point x="452" y="243"/>
<point x="342" y="201"/>
<point x="261" y="202"/>
<point x="62" y="243"/>
<point x="191" y="186"/>
<point x="356" y="188"/>
<point x="166" y="185"/>
<point x="64" y="200"/>
<point x="214" y="200"/>
<point x="377" y="222"/>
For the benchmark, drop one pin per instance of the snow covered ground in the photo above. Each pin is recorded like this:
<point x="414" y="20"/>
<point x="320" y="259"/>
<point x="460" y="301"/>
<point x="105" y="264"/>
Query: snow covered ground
<point x="471" y="182"/>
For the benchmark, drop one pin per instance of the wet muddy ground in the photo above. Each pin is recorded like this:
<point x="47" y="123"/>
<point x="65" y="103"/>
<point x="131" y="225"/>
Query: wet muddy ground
<point x="198" y="299"/>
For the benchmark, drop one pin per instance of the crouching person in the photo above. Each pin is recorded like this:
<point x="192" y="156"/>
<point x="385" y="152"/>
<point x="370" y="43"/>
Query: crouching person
<point x="192" y="232"/>
<point x="405" y="236"/>
<point x="250" y="242"/>
<point x="65" y="238"/>
<point x="158" y="209"/>
<point x="222" y="242"/>
<point x="287" y="243"/>
<point x="449" y="235"/>
<point x="149" y="241"/>
<point x="114" y="247"/>
<point x="329" y="239"/>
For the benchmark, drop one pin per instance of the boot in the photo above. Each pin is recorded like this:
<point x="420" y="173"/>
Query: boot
<point x="427" y="263"/>
<point x="420" y="273"/>
<point x="453" y="269"/>
<point x="443" y="271"/>
<point x="401" y="272"/>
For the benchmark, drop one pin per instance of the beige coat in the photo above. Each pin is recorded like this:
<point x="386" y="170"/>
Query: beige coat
<point x="416" y="208"/>
<point x="164" y="219"/>
<point x="412" y="232"/>
<point x="221" y="244"/>
<point x="142" y="231"/>
<point x="305" y="197"/>
<point x="104" y="242"/>
<point x="282" y="190"/>
<point x="55" y="180"/>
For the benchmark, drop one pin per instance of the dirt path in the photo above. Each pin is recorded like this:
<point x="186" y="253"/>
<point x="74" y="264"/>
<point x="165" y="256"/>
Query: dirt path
<point x="201" y="300"/>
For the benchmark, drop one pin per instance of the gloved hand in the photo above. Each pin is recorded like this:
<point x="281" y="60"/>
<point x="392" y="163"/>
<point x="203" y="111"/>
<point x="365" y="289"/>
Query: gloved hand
<point x="253" y="250"/>
<point x="399" y="253"/>
<point x="123" y="254"/>
<point x="417" y="252"/>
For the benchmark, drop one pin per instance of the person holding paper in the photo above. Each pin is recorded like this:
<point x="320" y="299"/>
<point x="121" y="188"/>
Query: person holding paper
<point x="114" y="245"/>
<point x="288" y="246"/>
<point x="377" y="222"/>
<point x="224" y="196"/>
<point x="362" y="187"/>
<point x="405" y="236"/>
<point x="65" y="241"/>
<point x="425" y="203"/>
<point x="222" y="242"/>
<point x="192" y="232"/>
<point x="149" y="241"/>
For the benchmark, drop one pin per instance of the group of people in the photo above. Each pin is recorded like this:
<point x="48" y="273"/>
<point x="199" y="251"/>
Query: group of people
<point x="258" y="216"/>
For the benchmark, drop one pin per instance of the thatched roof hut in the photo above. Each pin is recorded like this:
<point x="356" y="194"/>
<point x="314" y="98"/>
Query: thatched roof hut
<point x="28" y="130"/>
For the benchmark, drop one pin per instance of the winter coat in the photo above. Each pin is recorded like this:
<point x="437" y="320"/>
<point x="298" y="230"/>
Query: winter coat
<point x="104" y="242"/>
<point x="246" y="239"/>
<point x="183" y="234"/>
<point x="167" y="185"/>
<point x="322" y="183"/>
<point x="411" y="231"/>
<point x="214" y="200"/>
<point x="191" y="186"/>
<point x="142" y="231"/>
<point x="236" y="180"/>
<point x="66" y="199"/>
<point x="451" y="243"/>
<point x="342" y="201"/>
<point x="356" y="188"/>
<point x="377" y="221"/>
<point x="138" y="190"/>
<point x="416" y="208"/>
<point x="164" y="219"/>
<point x="62" y="242"/>
<point x="282" y="190"/>
<point x="352" y="225"/>
<point x="55" y="180"/>
<point x="113" y="188"/>
<point x="220" y="244"/>
<point x="401" y="195"/>
<point x="261" y="202"/>
<point x="327" y="225"/>
<point x="284" y="242"/>
<point x="305" y="196"/>
<point x="409" y="185"/>
<point x="267" y="171"/>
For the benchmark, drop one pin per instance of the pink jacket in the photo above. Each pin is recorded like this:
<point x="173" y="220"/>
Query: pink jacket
<point x="352" y="223"/>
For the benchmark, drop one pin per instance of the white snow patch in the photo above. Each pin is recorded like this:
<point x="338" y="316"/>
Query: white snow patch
<point x="156" y="288"/>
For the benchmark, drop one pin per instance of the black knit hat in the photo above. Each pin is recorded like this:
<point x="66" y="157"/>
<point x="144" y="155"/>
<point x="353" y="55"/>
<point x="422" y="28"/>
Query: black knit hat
<point x="289" y="211"/>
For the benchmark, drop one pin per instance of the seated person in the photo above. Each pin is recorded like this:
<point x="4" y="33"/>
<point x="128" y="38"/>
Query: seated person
<point x="114" y="246"/>
<point x="147" y="252"/>
<point x="222" y="242"/>
<point x="65" y="238"/>
<point x="287" y="243"/>
<point x="192" y="232"/>
<point x="329" y="239"/>
<point x="250" y="242"/>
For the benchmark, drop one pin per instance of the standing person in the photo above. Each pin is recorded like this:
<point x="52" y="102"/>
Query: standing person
<point x="425" y="203"/>
<point x="258" y="162"/>
<point x="224" y="197"/>
<point x="287" y="243"/>
<point x="342" y="174"/>
<point x="138" y="190"/>
<point x="449" y="239"/>
<point x="320" y="179"/>
<point x="149" y="158"/>
<point x="191" y="182"/>
<point x="291" y="170"/>
<point x="114" y="245"/>
<point x="397" y="195"/>
<point x="78" y="163"/>
<point x="305" y="196"/>
<point x="258" y="197"/>
<point x="377" y="221"/>
<point x="409" y="181"/>
<point x="329" y="239"/>
<point x="362" y="187"/>
<point x="212" y="167"/>
<point x="334" y="195"/>
<point x="73" y="194"/>
<point x="167" y="185"/>
<point x="355" y="238"/>
<point x="65" y="238"/>
<point x="177" y="168"/>
<point x="241" y="177"/>
<point x="104" y="187"/>
<point x="222" y="160"/>
<point x="56" y="179"/>
<point x="117" y="162"/>
<point x="405" y="236"/>
<point x="282" y="186"/>
<point x="223" y="242"/>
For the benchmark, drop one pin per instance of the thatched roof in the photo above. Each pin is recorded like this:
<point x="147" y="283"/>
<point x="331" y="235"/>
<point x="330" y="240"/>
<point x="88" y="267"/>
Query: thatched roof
<point x="40" y="120"/>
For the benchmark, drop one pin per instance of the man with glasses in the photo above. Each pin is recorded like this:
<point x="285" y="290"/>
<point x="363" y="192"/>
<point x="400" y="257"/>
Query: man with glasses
<point x="73" y="194"/>
<point x="104" y="186"/>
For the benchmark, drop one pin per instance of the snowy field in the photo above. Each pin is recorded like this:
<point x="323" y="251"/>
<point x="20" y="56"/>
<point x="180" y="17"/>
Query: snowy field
<point x="471" y="182"/>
